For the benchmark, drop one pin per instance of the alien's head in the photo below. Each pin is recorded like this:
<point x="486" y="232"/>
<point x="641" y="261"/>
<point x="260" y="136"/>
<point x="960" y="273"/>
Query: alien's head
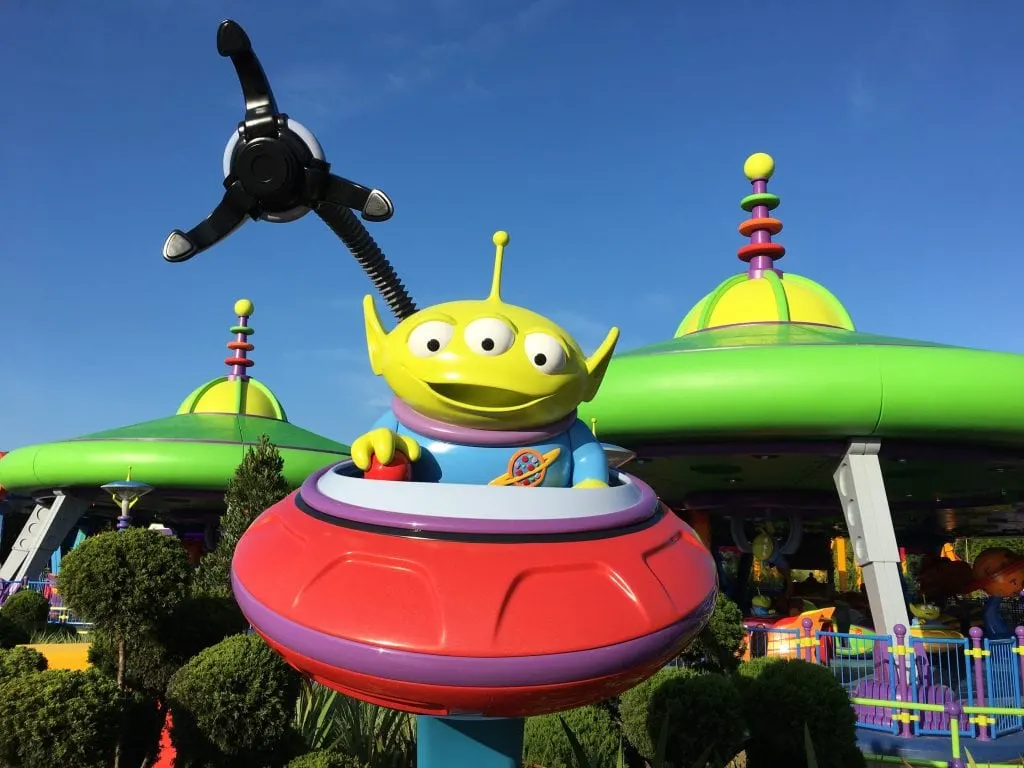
<point x="485" y="363"/>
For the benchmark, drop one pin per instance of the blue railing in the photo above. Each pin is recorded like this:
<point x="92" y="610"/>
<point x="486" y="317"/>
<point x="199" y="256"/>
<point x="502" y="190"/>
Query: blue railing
<point x="935" y="670"/>
<point x="59" y="614"/>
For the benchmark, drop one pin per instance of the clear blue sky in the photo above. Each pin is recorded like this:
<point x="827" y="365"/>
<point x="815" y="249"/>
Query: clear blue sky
<point x="607" y="137"/>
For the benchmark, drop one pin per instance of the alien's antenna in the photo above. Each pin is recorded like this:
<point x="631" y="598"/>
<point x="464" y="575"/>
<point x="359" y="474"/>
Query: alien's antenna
<point x="500" y="240"/>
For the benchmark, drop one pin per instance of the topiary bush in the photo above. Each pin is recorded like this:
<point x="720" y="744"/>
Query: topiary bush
<point x="197" y="623"/>
<point x="11" y="634"/>
<point x="18" y="662"/>
<point x="700" y="711"/>
<point x="325" y="759"/>
<point x="546" y="743"/>
<point x="635" y="704"/>
<point x="720" y="645"/>
<point x="785" y="696"/>
<point x="28" y="609"/>
<point x="232" y="704"/>
<point x="58" y="717"/>
<point x="752" y="669"/>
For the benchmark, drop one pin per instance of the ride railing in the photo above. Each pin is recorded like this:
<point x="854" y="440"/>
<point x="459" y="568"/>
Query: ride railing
<point x="961" y="687"/>
<point x="59" y="613"/>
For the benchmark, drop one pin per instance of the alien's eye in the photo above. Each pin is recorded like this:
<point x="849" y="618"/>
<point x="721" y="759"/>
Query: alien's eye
<point x="545" y="352"/>
<point x="489" y="336"/>
<point x="429" y="338"/>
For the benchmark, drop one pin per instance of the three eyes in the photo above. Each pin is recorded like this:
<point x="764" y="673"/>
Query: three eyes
<point x="489" y="337"/>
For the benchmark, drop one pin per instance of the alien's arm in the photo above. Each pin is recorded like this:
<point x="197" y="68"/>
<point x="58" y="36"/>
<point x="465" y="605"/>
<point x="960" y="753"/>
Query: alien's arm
<point x="589" y="463"/>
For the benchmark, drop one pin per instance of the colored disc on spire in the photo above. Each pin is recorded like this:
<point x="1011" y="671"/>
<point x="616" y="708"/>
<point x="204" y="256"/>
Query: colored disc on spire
<point x="759" y="166"/>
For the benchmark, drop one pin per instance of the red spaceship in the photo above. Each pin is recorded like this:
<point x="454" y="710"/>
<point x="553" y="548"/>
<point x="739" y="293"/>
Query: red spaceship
<point x="445" y="599"/>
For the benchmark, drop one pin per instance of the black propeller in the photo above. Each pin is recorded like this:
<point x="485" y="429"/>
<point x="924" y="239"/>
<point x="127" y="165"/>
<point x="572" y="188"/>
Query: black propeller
<point x="275" y="170"/>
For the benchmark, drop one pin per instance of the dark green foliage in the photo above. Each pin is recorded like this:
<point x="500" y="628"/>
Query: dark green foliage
<point x="788" y="695"/>
<point x="28" y="609"/>
<point x="546" y="742"/>
<point x="11" y="634"/>
<point x="257" y="485"/>
<point x="752" y="669"/>
<point x="325" y="759"/>
<point x="59" y="718"/>
<point x="18" y="662"/>
<point x="634" y="708"/>
<point x="233" y="705"/>
<point x="197" y="623"/>
<point x="700" y="711"/>
<point x="125" y="583"/>
<point x="720" y="644"/>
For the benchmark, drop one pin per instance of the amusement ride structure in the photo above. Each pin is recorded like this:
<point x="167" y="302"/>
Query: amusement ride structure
<point x="187" y="459"/>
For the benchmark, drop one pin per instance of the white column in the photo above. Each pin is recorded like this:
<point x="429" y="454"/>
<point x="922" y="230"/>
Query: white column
<point x="869" y="522"/>
<point x="43" y="532"/>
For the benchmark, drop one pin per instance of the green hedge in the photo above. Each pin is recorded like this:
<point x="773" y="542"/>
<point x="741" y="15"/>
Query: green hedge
<point x="11" y="634"/>
<point x="28" y="609"/>
<point x="325" y="759"/>
<point x="59" y="718"/>
<point x="233" y="704"/>
<point x="546" y="743"/>
<point x="781" y="699"/>
<point x="700" y="711"/>
<point x="18" y="662"/>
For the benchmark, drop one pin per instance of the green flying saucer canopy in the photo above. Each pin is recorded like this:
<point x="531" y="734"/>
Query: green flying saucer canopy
<point x="769" y="357"/>
<point x="197" y="449"/>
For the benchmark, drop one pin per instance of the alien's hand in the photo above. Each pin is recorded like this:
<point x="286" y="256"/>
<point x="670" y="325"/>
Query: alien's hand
<point x="582" y="483"/>
<point x="382" y="443"/>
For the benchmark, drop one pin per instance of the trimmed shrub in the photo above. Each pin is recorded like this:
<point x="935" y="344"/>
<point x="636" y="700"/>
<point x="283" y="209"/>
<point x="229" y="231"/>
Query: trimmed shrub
<point x="258" y="484"/>
<point x="325" y="759"/>
<point x="545" y="742"/>
<point x="28" y="609"/>
<point x="721" y="643"/>
<point x="233" y="704"/>
<point x="11" y="634"/>
<point x="751" y="670"/>
<point x="58" y="717"/>
<point x="18" y="662"/>
<point x="700" y="711"/>
<point x="784" y="697"/>
<point x="126" y="583"/>
<point x="196" y="624"/>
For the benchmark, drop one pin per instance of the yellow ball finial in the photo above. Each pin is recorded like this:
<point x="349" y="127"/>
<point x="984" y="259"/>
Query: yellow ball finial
<point x="500" y="238"/>
<point x="244" y="308"/>
<point x="759" y="166"/>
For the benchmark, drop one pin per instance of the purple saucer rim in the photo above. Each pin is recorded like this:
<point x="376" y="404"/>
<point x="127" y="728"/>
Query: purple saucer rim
<point x="508" y="671"/>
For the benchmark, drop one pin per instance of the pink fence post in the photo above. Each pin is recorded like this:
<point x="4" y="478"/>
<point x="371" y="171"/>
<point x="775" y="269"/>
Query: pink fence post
<point x="901" y="665"/>
<point x="807" y="624"/>
<point x="979" y="678"/>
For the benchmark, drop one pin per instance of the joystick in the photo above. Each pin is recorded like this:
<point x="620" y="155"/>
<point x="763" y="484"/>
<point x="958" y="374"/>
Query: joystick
<point x="275" y="170"/>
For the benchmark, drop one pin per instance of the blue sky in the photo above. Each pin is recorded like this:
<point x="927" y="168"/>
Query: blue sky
<point x="607" y="137"/>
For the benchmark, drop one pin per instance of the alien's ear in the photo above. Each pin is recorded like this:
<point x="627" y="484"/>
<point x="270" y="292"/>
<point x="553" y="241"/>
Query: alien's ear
<point x="597" y="364"/>
<point x="375" y="335"/>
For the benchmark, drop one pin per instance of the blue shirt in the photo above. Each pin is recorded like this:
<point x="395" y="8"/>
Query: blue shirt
<point x="563" y="460"/>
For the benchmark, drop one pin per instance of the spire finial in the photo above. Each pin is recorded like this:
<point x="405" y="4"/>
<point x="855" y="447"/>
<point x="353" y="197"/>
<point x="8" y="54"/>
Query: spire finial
<point x="240" y="361"/>
<point x="761" y="253"/>
<point x="500" y="240"/>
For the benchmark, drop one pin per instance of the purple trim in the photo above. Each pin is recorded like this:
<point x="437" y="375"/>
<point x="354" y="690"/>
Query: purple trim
<point x="646" y="506"/>
<point x="450" y="433"/>
<point x="431" y="669"/>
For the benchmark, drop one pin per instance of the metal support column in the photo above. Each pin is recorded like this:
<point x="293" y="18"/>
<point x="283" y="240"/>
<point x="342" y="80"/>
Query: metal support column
<point x="872" y="536"/>
<point x="43" y="532"/>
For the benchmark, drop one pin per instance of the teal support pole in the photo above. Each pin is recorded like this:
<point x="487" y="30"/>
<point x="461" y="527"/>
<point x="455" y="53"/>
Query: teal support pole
<point x="469" y="742"/>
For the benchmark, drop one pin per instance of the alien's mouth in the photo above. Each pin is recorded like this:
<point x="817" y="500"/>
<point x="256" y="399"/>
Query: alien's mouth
<point x="479" y="396"/>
